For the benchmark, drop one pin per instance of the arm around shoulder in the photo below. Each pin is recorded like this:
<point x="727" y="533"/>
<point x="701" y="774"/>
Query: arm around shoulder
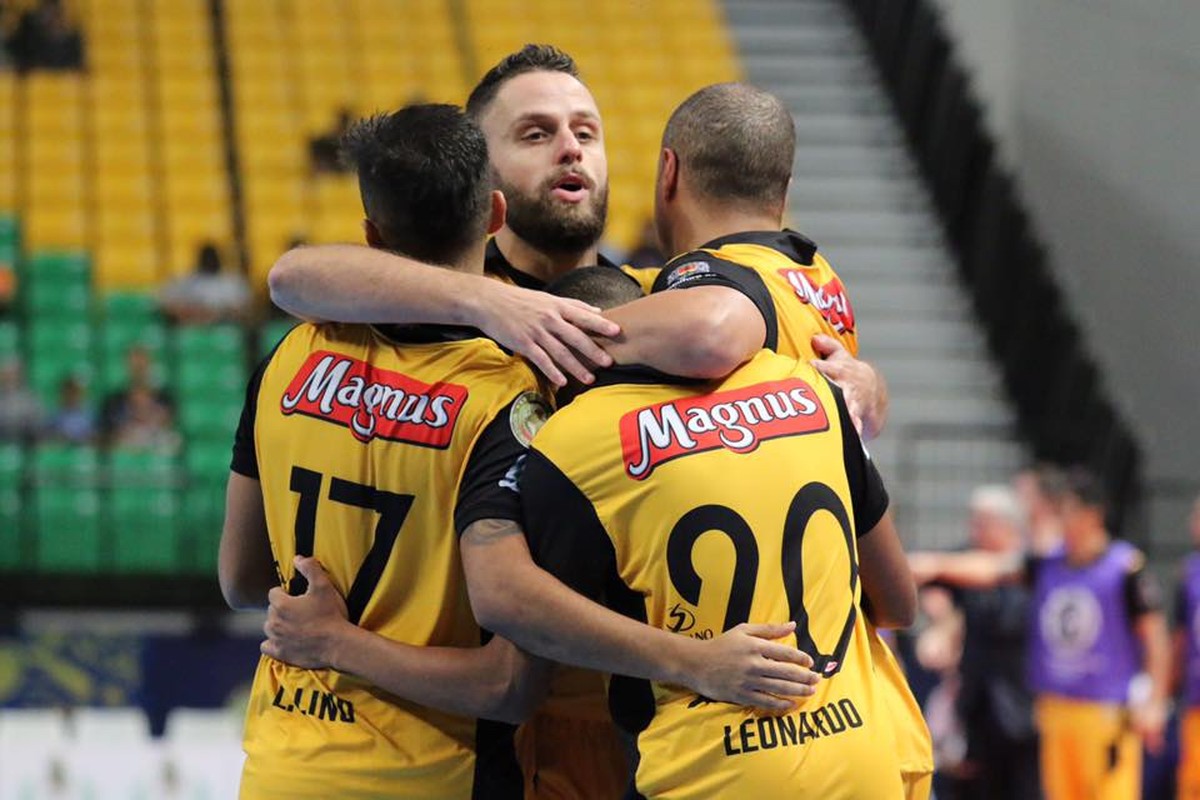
<point x="245" y="563"/>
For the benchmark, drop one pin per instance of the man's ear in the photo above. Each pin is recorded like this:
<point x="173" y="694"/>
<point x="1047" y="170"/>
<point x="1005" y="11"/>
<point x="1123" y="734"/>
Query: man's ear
<point x="499" y="209"/>
<point x="668" y="174"/>
<point x="372" y="234"/>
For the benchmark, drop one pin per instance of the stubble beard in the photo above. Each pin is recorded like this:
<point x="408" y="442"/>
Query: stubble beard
<point x="552" y="226"/>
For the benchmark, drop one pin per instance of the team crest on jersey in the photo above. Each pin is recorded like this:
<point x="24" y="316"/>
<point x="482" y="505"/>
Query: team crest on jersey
<point x="1071" y="620"/>
<point x="372" y="402"/>
<point x="830" y="300"/>
<point x="687" y="272"/>
<point x="736" y="420"/>
<point x="529" y="413"/>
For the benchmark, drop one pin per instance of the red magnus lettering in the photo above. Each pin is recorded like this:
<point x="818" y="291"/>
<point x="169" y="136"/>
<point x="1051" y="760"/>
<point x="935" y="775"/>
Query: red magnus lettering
<point x="374" y="402"/>
<point x="736" y="420"/>
<point x="830" y="300"/>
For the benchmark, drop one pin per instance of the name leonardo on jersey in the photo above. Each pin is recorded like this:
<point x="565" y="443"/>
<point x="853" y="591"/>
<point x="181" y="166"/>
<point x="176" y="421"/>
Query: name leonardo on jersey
<point x="736" y="420"/>
<point x="374" y="402"/>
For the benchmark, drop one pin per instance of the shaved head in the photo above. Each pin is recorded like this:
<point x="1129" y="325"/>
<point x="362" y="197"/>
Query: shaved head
<point x="735" y="143"/>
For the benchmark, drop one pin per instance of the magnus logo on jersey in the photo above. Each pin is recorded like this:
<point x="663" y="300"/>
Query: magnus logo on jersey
<point x="736" y="420"/>
<point x="830" y="299"/>
<point x="374" y="402"/>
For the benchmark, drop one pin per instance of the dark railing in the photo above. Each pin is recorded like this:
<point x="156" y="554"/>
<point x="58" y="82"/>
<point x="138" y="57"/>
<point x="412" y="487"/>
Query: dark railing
<point x="1063" y="408"/>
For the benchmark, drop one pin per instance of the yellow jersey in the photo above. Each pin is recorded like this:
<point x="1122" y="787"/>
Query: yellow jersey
<point x="783" y="274"/>
<point x="696" y="507"/>
<point x="800" y="295"/>
<point x="375" y="447"/>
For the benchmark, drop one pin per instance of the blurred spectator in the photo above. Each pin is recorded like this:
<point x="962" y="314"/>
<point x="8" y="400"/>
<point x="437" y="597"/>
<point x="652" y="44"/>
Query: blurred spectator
<point x="208" y="293"/>
<point x="20" y="409"/>
<point x="73" y="421"/>
<point x="44" y="39"/>
<point x="1187" y="662"/>
<point x="325" y="150"/>
<point x="142" y="415"/>
<point x="995" y="704"/>
<point x="1040" y="490"/>
<point x="646" y="253"/>
<point x="938" y="650"/>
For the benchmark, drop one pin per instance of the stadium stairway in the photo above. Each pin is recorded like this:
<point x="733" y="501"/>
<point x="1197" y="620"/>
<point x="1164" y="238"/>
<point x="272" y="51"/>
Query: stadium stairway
<point x="858" y="195"/>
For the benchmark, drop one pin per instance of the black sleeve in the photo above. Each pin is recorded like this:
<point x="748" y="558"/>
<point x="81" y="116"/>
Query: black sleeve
<point x="700" y="268"/>
<point x="565" y="536"/>
<point x="488" y="489"/>
<point x="1142" y="593"/>
<point x="245" y="459"/>
<point x="867" y="491"/>
<point x="1029" y="570"/>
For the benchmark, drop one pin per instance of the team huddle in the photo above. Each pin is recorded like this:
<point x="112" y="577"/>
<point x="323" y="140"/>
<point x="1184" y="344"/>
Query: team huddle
<point x="655" y="569"/>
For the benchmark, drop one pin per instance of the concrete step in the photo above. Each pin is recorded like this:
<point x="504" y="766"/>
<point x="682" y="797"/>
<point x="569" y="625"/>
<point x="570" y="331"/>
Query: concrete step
<point x="818" y="38"/>
<point x="864" y="263"/>
<point x="876" y="227"/>
<point x="816" y="68"/>
<point x="850" y="160"/>
<point x="831" y="128"/>
<point x="798" y="12"/>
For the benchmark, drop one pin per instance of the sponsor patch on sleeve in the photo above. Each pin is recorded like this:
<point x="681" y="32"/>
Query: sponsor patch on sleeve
<point x="687" y="272"/>
<point x="528" y="414"/>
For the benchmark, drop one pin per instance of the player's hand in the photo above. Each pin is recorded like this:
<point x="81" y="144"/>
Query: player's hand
<point x="303" y="631"/>
<point x="862" y="385"/>
<point x="550" y="331"/>
<point x="744" y="666"/>
<point x="1149" y="720"/>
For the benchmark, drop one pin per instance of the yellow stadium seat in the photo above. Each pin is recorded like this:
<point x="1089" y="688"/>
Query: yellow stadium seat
<point x="121" y="266"/>
<point x="50" y="228"/>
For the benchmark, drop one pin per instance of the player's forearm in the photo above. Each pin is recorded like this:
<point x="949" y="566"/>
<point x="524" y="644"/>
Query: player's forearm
<point x="705" y="332"/>
<point x="1151" y="629"/>
<point x="540" y="614"/>
<point x="350" y="283"/>
<point x="469" y="681"/>
<point x="972" y="570"/>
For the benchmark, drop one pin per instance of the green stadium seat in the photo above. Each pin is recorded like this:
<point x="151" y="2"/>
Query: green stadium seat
<point x="143" y="524"/>
<point x="117" y="337"/>
<point x="130" y="307"/>
<point x="67" y="525"/>
<point x="209" y="341"/>
<point x="66" y="508"/>
<point x="57" y="301"/>
<point x="203" y="516"/>
<point x="212" y="378"/>
<point x="208" y="462"/>
<point x="55" y="350"/>
<point x="59" y="463"/>
<point x="13" y="553"/>
<point x="10" y="340"/>
<point x="215" y="419"/>
<point x="10" y="230"/>
<point x="59" y="268"/>
<point x="142" y="468"/>
<point x="272" y="333"/>
<point x="56" y="285"/>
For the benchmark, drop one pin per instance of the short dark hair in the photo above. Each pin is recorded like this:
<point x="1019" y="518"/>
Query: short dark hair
<point x="736" y="144"/>
<point x="603" y="287"/>
<point x="424" y="178"/>
<point x="530" y="58"/>
<point x="1086" y="487"/>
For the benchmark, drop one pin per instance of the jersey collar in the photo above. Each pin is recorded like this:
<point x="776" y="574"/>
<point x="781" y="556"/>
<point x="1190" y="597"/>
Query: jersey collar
<point x="795" y="246"/>
<point x="495" y="262"/>
<point x="427" y="334"/>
